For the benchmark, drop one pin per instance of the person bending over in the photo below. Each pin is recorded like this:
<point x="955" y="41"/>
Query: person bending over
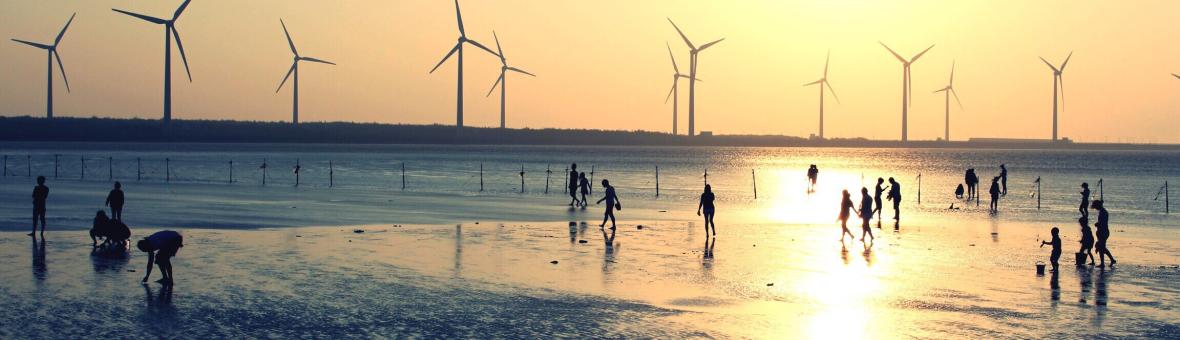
<point x="161" y="247"/>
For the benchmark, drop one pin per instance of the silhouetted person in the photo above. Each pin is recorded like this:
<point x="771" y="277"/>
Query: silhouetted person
<point x="612" y="203"/>
<point x="895" y="196"/>
<point x="1004" y="178"/>
<point x="707" y="204"/>
<point x="115" y="201"/>
<point x="959" y="192"/>
<point x="1087" y="239"/>
<point x="161" y="247"/>
<point x="584" y="188"/>
<point x="1085" y="200"/>
<point x="866" y="214"/>
<point x="113" y="232"/>
<point x="845" y="212"/>
<point x="994" y="191"/>
<point x="877" y="198"/>
<point x="812" y="176"/>
<point x="100" y="228"/>
<point x="40" y="194"/>
<point x="1056" y="244"/>
<point x="1103" y="233"/>
<point x="573" y="185"/>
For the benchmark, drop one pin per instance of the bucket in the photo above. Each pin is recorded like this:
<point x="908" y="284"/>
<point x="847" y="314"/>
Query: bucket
<point x="1040" y="268"/>
<point x="1080" y="259"/>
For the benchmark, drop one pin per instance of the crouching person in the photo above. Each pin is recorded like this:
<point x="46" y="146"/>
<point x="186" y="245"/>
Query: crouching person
<point x="161" y="247"/>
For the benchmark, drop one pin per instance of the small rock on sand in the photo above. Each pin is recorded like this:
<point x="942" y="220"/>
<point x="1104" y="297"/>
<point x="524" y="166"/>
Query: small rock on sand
<point x="640" y="227"/>
<point x="770" y="284"/>
<point x="358" y="231"/>
<point x="131" y="270"/>
<point x="583" y="241"/>
<point x="553" y="262"/>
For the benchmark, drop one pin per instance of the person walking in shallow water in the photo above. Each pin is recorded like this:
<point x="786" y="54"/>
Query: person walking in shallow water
<point x="573" y="185"/>
<point x="1103" y="233"/>
<point x="812" y="177"/>
<point x="1085" y="200"/>
<point x="866" y="214"/>
<point x="1004" y="178"/>
<point x="115" y="201"/>
<point x="40" y="195"/>
<point x="584" y="188"/>
<point x="612" y="204"/>
<point x="1087" y="240"/>
<point x="994" y="191"/>
<point x="895" y="196"/>
<point x="877" y="198"/>
<point x="845" y="212"/>
<point x="707" y="204"/>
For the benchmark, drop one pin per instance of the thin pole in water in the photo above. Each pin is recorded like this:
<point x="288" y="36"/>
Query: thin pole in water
<point x="403" y="175"/>
<point x="1100" y="195"/>
<point x="29" y="167"/>
<point x="297" y="167"/>
<point x="138" y="169"/>
<point x="231" y="171"/>
<point x="1038" y="193"/>
<point x="110" y="168"/>
<point x="55" y="166"/>
<point x="563" y="187"/>
<point x="167" y="169"/>
<point x="755" y="178"/>
<point x="657" y="181"/>
<point x="480" y="177"/>
<point x="522" y="178"/>
<point x="919" y="188"/>
<point x="5" y="165"/>
<point x="263" y="172"/>
<point x="331" y="175"/>
<point x="82" y="159"/>
<point x="591" y="179"/>
<point x="547" y="173"/>
<point x="1167" y="205"/>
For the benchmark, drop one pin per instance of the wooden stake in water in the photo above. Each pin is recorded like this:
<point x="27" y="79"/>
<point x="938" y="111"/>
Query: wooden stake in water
<point x="591" y="179"/>
<point x="403" y="175"/>
<point x="297" y="167"/>
<point x="82" y="160"/>
<point x="547" y="173"/>
<point x="29" y="166"/>
<point x="919" y="188"/>
<point x="755" y="179"/>
<point x="565" y="187"/>
<point x="167" y="170"/>
<point x="480" y="177"/>
<point x="657" y="181"/>
<point x="231" y="171"/>
<point x="138" y="169"/>
<point x="110" y="168"/>
<point x="1100" y="195"/>
<point x="55" y="166"/>
<point x="1038" y="193"/>
<point x="5" y="165"/>
<point x="263" y="167"/>
<point x="331" y="175"/>
<point x="522" y="178"/>
<point x="1167" y="204"/>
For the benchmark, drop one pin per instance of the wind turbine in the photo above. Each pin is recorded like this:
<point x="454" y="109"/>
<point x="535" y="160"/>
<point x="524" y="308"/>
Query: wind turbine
<point x="52" y="49"/>
<point x="674" y="93"/>
<point x="823" y="82"/>
<point x="1058" y="81"/>
<point x="1176" y="75"/>
<point x="950" y="90"/>
<point x="906" y="87"/>
<point x="295" y="69"/>
<point x="459" y="48"/>
<point x="502" y="81"/>
<point x="692" y="74"/>
<point x="169" y="33"/>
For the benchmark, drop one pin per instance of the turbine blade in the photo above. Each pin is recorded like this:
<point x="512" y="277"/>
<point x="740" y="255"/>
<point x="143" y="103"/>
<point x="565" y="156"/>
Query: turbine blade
<point x="448" y="56"/>
<point x="459" y="17"/>
<point x="1176" y="75"/>
<point x="1066" y="60"/>
<point x="63" y="30"/>
<point x="669" y="96"/>
<point x="832" y="90"/>
<point x="481" y="46"/>
<point x="520" y="70"/>
<point x="180" y="10"/>
<point x="919" y="55"/>
<point x="62" y="67"/>
<point x="682" y="36"/>
<point x="952" y="82"/>
<point x="898" y="56"/>
<point x="948" y="88"/>
<point x="826" y="60"/>
<point x="314" y="60"/>
<point x="703" y="47"/>
<point x="289" y="41"/>
<point x="670" y="55"/>
<point x="289" y="71"/>
<point x="956" y="94"/>
<point x="1050" y="65"/>
<point x="497" y="83"/>
<point x="690" y="78"/>
<point x="44" y="47"/>
<point x="814" y="82"/>
<point x="498" y="49"/>
<point x="183" y="58"/>
<point x="144" y="17"/>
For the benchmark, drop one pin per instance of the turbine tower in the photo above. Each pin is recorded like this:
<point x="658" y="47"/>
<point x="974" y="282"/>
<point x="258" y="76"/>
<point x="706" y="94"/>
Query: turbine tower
<point x="169" y="33"/>
<point x="823" y="82"/>
<point x="674" y="93"/>
<point x="52" y="54"/>
<point x="1058" y="81"/>
<point x="459" y="48"/>
<point x="692" y="74"/>
<point x="948" y="91"/>
<point x="295" y="69"/>
<point x="502" y="81"/>
<point x="906" y="87"/>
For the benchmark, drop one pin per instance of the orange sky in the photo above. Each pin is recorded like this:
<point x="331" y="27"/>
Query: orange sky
<point x="603" y="64"/>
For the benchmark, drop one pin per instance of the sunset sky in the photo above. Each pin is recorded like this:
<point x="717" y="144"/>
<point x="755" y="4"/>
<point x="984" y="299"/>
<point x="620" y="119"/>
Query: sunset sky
<point x="604" y="65"/>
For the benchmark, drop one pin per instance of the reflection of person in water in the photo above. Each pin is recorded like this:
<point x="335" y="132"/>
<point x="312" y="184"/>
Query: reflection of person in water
<point x="866" y="214"/>
<point x="707" y="204"/>
<point x="1055" y="243"/>
<point x="161" y="247"/>
<point x="845" y="212"/>
<point x="40" y="195"/>
<point x="612" y="203"/>
<point x="115" y="201"/>
<point x="1087" y="240"/>
<point x="1103" y="233"/>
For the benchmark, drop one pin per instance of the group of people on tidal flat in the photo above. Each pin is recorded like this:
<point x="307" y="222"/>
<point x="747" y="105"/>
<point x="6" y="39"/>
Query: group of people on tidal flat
<point x="998" y="188"/>
<point x="115" y="235"/>
<point x="869" y="205"/>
